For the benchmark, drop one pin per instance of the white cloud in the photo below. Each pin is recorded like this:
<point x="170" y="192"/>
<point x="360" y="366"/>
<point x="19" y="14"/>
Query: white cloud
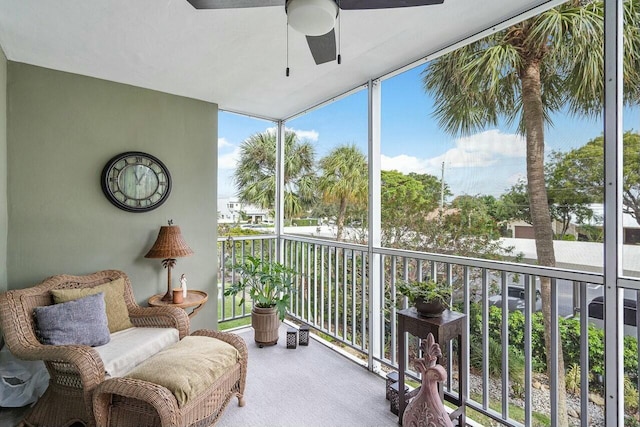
<point x="309" y="135"/>
<point x="229" y="160"/>
<point x="480" y="150"/>
<point x="494" y="142"/>
<point x="222" y="143"/>
<point x="485" y="163"/>
<point x="405" y="164"/>
<point x="461" y="158"/>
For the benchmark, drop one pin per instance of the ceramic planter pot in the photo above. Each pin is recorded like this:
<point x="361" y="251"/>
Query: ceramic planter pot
<point x="265" y="323"/>
<point x="429" y="308"/>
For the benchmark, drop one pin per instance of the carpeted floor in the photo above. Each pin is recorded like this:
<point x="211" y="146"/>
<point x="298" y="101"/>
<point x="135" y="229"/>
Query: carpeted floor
<point x="303" y="387"/>
<point x="307" y="386"/>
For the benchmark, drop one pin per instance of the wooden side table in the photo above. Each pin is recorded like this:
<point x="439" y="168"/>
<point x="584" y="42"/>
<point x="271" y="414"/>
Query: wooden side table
<point x="444" y="328"/>
<point x="195" y="299"/>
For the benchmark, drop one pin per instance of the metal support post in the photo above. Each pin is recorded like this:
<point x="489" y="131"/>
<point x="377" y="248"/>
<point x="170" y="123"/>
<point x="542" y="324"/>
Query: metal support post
<point x="614" y="396"/>
<point x="376" y="287"/>
<point x="279" y="207"/>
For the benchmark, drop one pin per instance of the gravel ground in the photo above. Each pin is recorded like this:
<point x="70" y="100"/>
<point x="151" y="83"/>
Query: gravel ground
<point x="540" y="400"/>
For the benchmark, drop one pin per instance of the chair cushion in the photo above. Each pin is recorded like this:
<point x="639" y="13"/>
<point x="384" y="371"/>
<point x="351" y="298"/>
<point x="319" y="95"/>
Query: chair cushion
<point x="117" y="312"/>
<point x="82" y="321"/>
<point x="189" y="367"/>
<point x="132" y="346"/>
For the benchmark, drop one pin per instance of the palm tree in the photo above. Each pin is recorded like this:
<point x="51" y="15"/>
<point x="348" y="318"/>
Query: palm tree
<point x="344" y="180"/>
<point x="255" y="176"/>
<point x="524" y="74"/>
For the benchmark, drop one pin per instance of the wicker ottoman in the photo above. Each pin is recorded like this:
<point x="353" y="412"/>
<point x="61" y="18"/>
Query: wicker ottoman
<point x="124" y="402"/>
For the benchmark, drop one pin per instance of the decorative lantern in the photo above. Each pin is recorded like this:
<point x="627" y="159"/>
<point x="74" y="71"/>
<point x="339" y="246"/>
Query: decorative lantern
<point x="394" y="398"/>
<point x="304" y="335"/>
<point x="392" y="378"/>
<point x="292" y="338"/>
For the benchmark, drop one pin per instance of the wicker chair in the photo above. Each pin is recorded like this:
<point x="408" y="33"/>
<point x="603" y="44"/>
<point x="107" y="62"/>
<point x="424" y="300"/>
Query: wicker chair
<point x="75" y="370"/>
<point x="128" y="402"/>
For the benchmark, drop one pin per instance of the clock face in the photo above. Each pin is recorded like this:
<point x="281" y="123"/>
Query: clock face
<point x="136" y="182"/>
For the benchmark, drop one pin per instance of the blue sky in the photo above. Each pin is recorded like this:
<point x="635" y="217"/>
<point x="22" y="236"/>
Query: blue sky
<point x="487" y="162"/>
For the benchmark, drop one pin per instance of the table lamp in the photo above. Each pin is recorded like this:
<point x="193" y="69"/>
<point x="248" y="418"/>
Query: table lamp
<point x="169" y="245"/>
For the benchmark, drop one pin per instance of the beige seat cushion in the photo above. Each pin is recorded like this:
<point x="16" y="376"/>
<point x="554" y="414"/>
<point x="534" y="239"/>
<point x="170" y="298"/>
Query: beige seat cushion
<point x="117" y="312"/>
<point x="188" y="367"/>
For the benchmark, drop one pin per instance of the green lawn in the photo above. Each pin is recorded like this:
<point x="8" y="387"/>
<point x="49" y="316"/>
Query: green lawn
<point x="228" y="312"/>
<point x="515" y="412"/>
<point x="231" y="324"/>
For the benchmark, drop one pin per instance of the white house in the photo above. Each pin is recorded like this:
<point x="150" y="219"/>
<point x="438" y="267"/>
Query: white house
<point x="233" y="211"/>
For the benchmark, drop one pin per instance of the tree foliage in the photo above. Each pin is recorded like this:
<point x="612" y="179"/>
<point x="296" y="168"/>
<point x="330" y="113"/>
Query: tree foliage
<point x="473" y="217"/>
<point x="585" y="166"/>
<point x="523" y="74"/>
<point x="568" y="202"/>
<point x="515" y="202"/>
<point x="411" y="219"/>
<point x="255" y="175"/>
<point x="405" y="202"/>
<point x="344" y="181"/>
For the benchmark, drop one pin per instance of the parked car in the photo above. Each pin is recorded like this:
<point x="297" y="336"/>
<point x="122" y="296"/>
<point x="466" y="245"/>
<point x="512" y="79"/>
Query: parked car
<point x="515" y="299"/>
<point x="596" y="314"/>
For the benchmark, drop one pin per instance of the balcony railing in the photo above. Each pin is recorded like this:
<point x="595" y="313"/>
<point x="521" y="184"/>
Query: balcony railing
<point x="348" y="294"/>
<point x="232" y="251"/>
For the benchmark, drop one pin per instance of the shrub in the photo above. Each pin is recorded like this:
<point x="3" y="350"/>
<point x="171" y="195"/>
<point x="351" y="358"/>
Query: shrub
<point x="516" y="363"/>
<point x="630" y="395"/>
<point x="572" y="379"/>
<point x="569" y="332"/>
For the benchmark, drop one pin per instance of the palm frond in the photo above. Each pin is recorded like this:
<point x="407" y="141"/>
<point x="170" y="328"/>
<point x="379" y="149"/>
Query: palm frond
<point x="255" y="174"/>
<point x="476" y="85"/>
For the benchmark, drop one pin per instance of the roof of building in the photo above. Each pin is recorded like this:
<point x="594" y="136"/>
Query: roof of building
<point x="586" y="256"/>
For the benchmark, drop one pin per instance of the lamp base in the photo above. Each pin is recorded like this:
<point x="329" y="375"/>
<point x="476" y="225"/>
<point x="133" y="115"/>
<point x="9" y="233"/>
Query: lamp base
<point x="168" y="297"/>
<point x="168" y="263"/>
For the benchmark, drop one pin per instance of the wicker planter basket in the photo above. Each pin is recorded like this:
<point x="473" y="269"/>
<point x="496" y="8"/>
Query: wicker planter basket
<point x="265" y="322"/>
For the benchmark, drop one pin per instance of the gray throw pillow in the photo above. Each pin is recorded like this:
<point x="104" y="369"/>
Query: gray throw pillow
<point x="82" y="321"/>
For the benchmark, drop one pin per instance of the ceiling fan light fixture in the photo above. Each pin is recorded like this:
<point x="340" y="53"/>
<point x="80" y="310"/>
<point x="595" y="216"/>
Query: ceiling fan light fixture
<point x="312" y="17"/>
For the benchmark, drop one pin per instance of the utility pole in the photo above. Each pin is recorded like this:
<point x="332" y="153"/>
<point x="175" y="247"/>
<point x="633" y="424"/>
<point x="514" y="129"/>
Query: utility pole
<point x="442" y="189"/>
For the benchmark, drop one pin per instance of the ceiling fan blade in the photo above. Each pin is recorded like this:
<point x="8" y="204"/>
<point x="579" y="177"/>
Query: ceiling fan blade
<point x="384" y="4"/>
<point x="234" y="4"/>
<point x="323" y="48"/>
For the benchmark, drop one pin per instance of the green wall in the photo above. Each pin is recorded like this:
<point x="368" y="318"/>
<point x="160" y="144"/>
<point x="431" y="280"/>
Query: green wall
<point x="3" y="171"/>
<point x="62" y="129"/>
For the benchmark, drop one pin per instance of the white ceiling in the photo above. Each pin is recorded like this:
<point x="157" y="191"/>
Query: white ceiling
<point x="234" y="57"/>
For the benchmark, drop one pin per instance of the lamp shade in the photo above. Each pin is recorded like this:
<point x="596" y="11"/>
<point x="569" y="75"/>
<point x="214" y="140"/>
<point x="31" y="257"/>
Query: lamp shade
<point x="169" y="244"/>
<point x="312" y="17"/>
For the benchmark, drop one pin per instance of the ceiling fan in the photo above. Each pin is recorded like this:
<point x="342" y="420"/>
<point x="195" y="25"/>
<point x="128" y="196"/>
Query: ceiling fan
<point x="314" y="18"/>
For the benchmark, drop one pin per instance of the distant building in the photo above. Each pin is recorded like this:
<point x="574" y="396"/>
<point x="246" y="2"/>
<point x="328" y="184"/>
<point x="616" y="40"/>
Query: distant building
<point x="232" y="211"/>
<point x="630" y="227"/>
<point x="523" y="230"/>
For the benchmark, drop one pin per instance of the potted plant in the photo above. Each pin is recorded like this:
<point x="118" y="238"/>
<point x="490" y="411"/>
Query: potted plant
<point x="269" y="284"/>
<point x="430" y="297"/>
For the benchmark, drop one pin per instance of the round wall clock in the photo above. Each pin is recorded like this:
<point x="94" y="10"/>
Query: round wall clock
<point x="136" y="182"/>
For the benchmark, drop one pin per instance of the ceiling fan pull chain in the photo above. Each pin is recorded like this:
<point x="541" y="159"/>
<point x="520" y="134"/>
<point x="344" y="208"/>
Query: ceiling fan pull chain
<point x="339" y="34"/>
<point x="287" y="48"/>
